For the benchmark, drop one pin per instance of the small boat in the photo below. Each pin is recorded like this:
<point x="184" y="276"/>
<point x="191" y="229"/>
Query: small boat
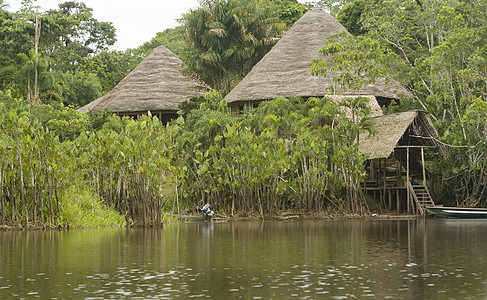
<point x="206" y="215"/>
<point x="191" y="218"/>
<point x="458" y="212"/>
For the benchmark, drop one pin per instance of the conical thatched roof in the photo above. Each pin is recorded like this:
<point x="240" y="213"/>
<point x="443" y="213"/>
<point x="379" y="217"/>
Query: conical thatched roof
<point x="400" y="129"/>
<point x="88" y="107"/>
<point x="155" y="84"/>
<point x="285" y="69"/>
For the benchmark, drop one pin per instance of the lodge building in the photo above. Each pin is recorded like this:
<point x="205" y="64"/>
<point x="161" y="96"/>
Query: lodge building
<point x="397" y="153"/>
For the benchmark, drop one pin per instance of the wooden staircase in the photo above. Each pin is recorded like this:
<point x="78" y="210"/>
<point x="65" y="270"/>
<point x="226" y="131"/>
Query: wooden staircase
<point x="421" y="197"/>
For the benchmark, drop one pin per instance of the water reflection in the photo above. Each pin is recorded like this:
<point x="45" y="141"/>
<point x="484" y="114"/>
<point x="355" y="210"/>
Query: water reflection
<point x="407" y="259"/>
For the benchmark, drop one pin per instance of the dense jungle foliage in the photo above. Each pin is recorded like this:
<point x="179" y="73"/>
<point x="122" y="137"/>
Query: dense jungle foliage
<point x="60" y="167"/>
<point x="219" y="42"/>
<point x="438" y="51"/>
<point x="288" y="155"/>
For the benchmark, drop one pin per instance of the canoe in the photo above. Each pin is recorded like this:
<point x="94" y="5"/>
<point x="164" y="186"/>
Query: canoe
<point x="199" y="218"/>
<point x="458" y="212"/>
<point x="191" y="218"/>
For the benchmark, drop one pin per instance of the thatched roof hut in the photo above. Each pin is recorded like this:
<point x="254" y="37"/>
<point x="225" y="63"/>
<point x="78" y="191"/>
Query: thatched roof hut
<point x="398" y="153"/>
<point x="88" y="107"/>
<point x="155" y="85"/>
<point x="285" y="69"/>
<point x="412" y="128"/>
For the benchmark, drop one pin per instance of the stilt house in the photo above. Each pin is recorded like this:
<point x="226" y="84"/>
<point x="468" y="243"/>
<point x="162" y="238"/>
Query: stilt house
<point x="155" y="85"/>
<point x="397" y="153"/>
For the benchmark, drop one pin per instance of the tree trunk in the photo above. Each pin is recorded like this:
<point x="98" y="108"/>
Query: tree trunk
<point x="36" y="99"/>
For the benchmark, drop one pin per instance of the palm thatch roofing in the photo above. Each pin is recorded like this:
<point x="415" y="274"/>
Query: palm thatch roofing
<point x="412" y="128"/>
<point x="285" y="69"/>
<point x="88" y="107"/>
<point x="156" y="84"/>
<point x="375" y="109"/>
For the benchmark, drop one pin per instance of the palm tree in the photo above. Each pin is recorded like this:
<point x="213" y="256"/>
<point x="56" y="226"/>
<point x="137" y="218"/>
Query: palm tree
<point x="227" y="38"/>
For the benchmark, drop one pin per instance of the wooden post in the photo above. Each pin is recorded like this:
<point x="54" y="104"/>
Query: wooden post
<point x="372" y="170"/>
<point x="384" y="178"/>
<point x="398" y="204"/>
<point x="380" y="180"/>
<point x="422" y="162"/>
<point x="390" y="199"/>
<point x="407" y="180"/>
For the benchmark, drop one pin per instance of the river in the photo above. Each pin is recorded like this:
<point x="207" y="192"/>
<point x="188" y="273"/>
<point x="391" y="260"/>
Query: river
<point x="346" y="259"/>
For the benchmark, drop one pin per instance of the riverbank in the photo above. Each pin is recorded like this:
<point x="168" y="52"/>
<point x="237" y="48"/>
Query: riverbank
<point x="188" y="216"/>
<point x="284" y="216"/>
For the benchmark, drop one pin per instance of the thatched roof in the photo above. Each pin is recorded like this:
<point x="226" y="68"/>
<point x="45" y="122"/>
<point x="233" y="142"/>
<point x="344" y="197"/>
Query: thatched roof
<point x="406" y="129"/>
<point x="88" y="107"/>
<point x="156" y="84"/>
<point x="375" y="109"/>
<point x="285" y="69"/>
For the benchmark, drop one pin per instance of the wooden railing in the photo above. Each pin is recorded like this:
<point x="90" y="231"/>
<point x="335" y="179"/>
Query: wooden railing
<point x="421" y="197"/>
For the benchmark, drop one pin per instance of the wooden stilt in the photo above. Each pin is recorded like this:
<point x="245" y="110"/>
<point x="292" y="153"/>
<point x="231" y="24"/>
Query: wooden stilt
<point x="398" y="205"/>
<point x="384" y="181"/>
<point x="422" y="162"/>
<point x="407" y="180"/>
<point x="390" y="199"/>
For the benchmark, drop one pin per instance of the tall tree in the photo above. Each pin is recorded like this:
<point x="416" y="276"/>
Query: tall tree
<point x="334" y="6"/>
<point x="227" y="37"/>
<point x="439" y="41"/>
<point x="71" y="33"/>
<point x="444" y="61"/>
<point x="16" y="37"/>
<point x="350" y="16"/>
<point x="289" y="10"/>
<point x="68" y="38"/>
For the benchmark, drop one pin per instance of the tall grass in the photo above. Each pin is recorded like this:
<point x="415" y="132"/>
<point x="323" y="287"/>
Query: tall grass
<point x="81" y="208"/>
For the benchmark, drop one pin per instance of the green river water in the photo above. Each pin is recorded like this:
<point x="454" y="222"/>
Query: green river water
<point x="346" y="259"/>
